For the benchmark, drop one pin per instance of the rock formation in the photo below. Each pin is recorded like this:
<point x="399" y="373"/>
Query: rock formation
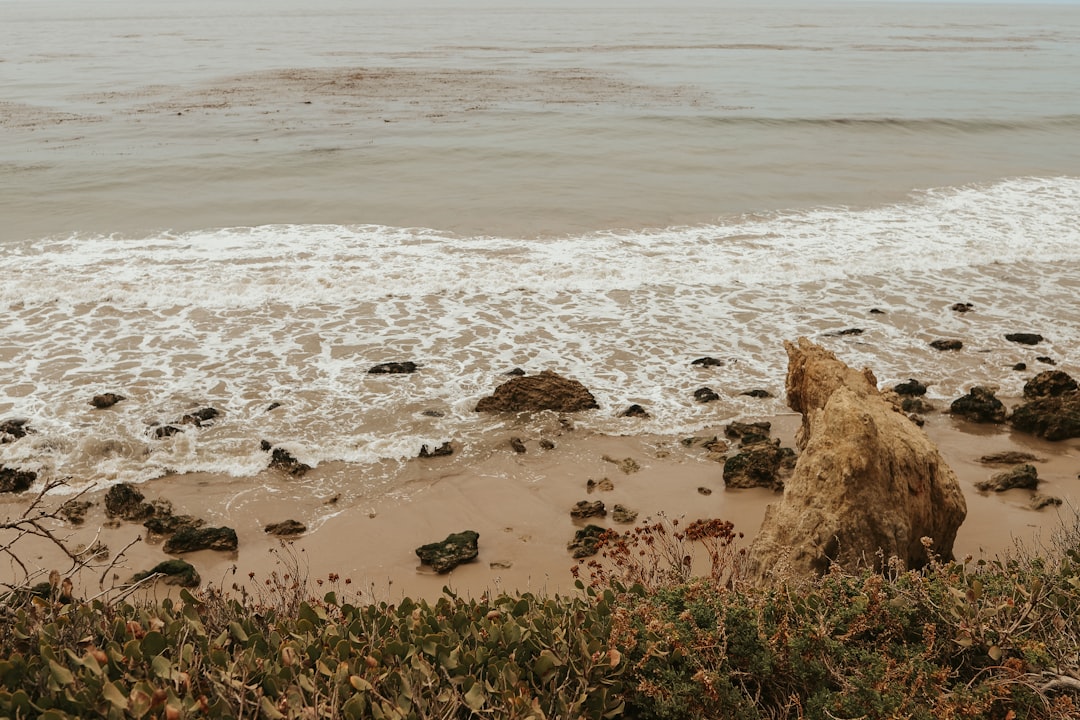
<point x="546" y="391"/>
<point x="868" y="483"/>
<point x="456" y="549"/>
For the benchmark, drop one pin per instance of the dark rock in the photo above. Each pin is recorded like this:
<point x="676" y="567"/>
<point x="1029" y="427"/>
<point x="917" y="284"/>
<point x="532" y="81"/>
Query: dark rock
<point x="1020" y="366"/>
<point x="740" y="430"/>
<point x="1039" y="501"/>
<point x="273" y="406"/>
<point x="106" y="400"/>
<point x="1009" y="457"/>
<point x="456" y="549"/>
<point x="604" y="485"/>
<point x="946" y="344"/>
<point x="704" y="490"/>
<point x="516" y="372"/>
<point x="169" y="524"/>
<point x="164" y="431"/>
<point x="911" y="388"/>
<point x="14" y="481"/>
<point x="517" y="445"/>
<point x="545" y="391"/>
<point x="282" y="459"/>
<point x="586" y="541"/>
<point x="192" y="539"/>
<point x="1049" y="383"/>
<point x="74" y="511"/>
<point x="546" y="444"/>
<point x="845" y="332"/>
<point x="877" y="311"/>
<point x="124" y="501"/>
<point x="635" y="411"/>
<point x="706" y="395"/>
<point x="761" y="465"/>
<point x="444" y="450"/>
<point x="1021" y="476"/>
<point x="285" y="528"/>
<point x="585" y="509"/>
<point x="14" y="429"/>
<point x="1054" y="418"/>
<point x="201" y="418"/>
<point x="980" y="406"/>
<point x="393" y="368"/>
<point x="433" y="413"/>
<point x="623" y="514"/>
<point x="708" y="362"/>
<point x="963" y="307"/>
<point x="916" y="405"/>
<point x="1025" y="338"/>
<point x="1046" y="360"/>
<point x="174" y="572"/>
<point x="758" y="393"/>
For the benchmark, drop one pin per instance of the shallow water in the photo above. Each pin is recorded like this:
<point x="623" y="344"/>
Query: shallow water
<point x="233" y="204"/>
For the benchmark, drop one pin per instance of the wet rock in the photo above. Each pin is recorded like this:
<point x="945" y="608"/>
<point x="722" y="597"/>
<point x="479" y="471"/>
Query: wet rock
<point x="708" y="362"/>
<point x="169" y="524"/>
<point x="622" y="514"/>
<point x="755" y="430"/>
<point x="706" y="395"/>
<point x="282" y="459"/>
<point x="273" y="406"/>
<point x="704" y="490"/>
<point x="14" y="429"/>
<point x="1046" y="360"/>
<point x="916" y="405"/>
<point x="286" y="528"/>
<point x="164" y="431"/>
<point x="201" y="418"/>
<point x="877" y="311"/>
<point x="1020" y="366"/>
<point x="74" y="511"/>
<point x="125" y="502"/>
<point x="845" y="332"/>
<point x="1039" y="501"/>
<point x="433" y="413"/>
<point x="758" y="393"/>
<point x="173" y="572"/>
<point x="517" y="445"/>
<point x="444" y="450"/>
<point x="532" y="393"/>
<point x="946" y="344"/>
<point x="16" y="481"/>
<point x="911" y="388"/>
<point x="760" y="465"/>
<point x="586" y="541"/>
<point x="585" y="509"/>
<point x="867" y="484"/>
<point x="1021" y="476"/>
<point x="516" y="372"/>
<point x="546" y="444"/>
<point x="193" y="539"/>
<point x="635" y="411"/>
<point x="1009" y="457"/>
<point x="1053" y="418"/>
<point x="1025" y="338"/>
<point x="962" y="307"/>
<point x="393" y="368"/>
<point x="979" y="405"/>
<point x="106" y="400"/>
<point x="603" y="485"/>
<point x="456" y="549"/>
<point x="1049" y="383"/>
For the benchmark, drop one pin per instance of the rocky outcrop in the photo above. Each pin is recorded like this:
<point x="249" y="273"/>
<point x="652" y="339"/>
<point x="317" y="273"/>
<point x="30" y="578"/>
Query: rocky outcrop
<point x="1053" y="418"/>
<point x="192" y="539"/>
<point x="456" y="549"/>
<point x="1049" y="383"/>
<point x="1021" y="476"/>
<point x="545" y="391"/>
<point x="979" y="405"/>
<point x="868" y="484"/>
<point x="126" y="502"/>
<point x="586" y="541"/>
<point x="761" y="464"/>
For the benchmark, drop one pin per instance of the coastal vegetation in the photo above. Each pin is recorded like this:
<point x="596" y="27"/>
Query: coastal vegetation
<point x="663" y="626"/>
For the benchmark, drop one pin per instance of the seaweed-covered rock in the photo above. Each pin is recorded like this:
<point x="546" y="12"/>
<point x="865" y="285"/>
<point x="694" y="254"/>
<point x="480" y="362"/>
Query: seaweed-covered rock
<point x="1021" y="476"/>
<point x="192" y="539"/>
<point x="532" y="393"/>
<point x="106" y="400"/>
<point x="124" y="501"/>
<point x="286" y="528"/>
<point x="586" y="541"/>
<point x="979" y="405"/>
<point x="1025" y="338"/>
<point x="173" y="572"/>
<point x="1054" y="418"/>
<point x="1049" y="383"/>
<point x="13" y="481"/>
<point x="456" y="549"/>
<point x="393" y="368"/>
<point x="759" y="465"/>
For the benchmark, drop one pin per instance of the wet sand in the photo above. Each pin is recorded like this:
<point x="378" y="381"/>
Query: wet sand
<point x="519" y="504"/>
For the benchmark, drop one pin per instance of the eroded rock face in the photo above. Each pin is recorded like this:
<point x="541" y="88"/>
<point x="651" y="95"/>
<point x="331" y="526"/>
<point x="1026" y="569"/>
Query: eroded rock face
<point x="868" y="483"/>
<point x="545" y="391"/>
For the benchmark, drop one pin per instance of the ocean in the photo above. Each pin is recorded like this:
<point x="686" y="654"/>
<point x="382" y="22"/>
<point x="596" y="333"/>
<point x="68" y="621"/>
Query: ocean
<point x="236" y="204"/>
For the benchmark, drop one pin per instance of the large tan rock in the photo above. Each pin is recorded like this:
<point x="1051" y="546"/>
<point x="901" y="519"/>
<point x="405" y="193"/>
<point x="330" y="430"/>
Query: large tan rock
<point x="868" y="484"/>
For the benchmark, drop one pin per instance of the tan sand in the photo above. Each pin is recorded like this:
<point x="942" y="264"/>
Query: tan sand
<point x="519" y="504"/>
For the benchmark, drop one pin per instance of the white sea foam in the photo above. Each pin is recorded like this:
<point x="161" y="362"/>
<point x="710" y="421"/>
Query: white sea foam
<point x="239" y="318"/>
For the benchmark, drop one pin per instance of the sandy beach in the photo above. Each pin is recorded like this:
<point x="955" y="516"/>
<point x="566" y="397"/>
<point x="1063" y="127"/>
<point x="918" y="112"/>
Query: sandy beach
<point x="519" y="504"/>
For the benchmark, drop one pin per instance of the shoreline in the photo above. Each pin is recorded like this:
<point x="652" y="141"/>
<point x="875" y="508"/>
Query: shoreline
<point x="520" y="506"/>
